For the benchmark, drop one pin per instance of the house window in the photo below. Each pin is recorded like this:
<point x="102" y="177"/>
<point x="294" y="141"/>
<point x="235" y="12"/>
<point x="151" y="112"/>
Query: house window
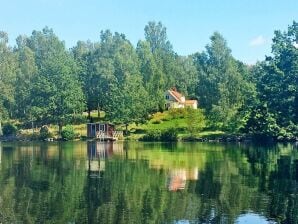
<point x="167" y="97"/>
<point x="102" y="127"/>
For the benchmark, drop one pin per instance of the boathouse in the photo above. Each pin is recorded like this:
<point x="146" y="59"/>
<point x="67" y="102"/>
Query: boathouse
<point x="103" y="131"/>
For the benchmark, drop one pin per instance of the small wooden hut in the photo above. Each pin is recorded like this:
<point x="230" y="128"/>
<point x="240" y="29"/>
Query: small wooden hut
<point x="102" y="131"/>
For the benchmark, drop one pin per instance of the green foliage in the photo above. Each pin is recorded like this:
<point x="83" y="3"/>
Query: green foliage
<point x="177" y="113"/>
<point x="44" y="132"/>
<point x="9" y="129"/>
<point x="8" y="70"/>
<point x="55" y="91"/>
<point x="68" y="133"/>
<point x="288" y="133"/>
<point x="156" y="122"/>
<point x="116" y="81"/>
<point x="152" y="135"/>
<point x="42" y="82"/>
<point x="223" y="88"/>
<point x="156" y="35"/>
<point x="25" y="75"/>
<point x="75" y="119"/>
<point x="276" y="81"/>
<point x="168" y="135"/>
<point x="195" y="120"/>
<point x="261" y="122"/>
<point x="137" y="185"/>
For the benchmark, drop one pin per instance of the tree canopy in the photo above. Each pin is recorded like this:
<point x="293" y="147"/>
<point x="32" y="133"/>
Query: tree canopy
<point x="42" y="81"/>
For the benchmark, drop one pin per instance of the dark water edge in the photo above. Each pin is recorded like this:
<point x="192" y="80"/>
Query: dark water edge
<point x="134" y="182"/>
<point x="228" y="138"/>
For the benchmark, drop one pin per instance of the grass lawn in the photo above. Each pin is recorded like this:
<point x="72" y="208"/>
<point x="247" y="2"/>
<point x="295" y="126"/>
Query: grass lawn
<point x="78" y="128"/>
<point x="158" y="121"/>
<point x="166" y="120"/>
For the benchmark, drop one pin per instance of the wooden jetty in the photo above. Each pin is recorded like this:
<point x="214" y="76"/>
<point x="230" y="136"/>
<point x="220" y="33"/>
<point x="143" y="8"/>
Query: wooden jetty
<point x="103" y="132"/>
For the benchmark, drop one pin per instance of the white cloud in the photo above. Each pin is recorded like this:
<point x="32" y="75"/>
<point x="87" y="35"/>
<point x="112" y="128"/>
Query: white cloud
<point x="258" y="41"/>
<point x="295" y="45"/>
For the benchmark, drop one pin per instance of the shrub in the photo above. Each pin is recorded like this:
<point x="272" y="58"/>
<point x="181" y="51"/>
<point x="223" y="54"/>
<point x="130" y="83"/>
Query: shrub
<point x="68" y="133"/>
<point x="9" y="129"/>
<point x="287" y="134"/>
<point x="177" y="113"/>
<point x="156" y="122"/>
<point x="169" y="135"/>
<point x="195" y="120"/>
<point x="44" y="132"/>
<point x="168" y="118"/>
<point x="160" y="116"/>
<point x="153" y="135"/>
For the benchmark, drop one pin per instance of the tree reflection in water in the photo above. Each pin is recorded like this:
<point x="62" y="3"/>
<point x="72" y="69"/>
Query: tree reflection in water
<point x="147" y="183"/>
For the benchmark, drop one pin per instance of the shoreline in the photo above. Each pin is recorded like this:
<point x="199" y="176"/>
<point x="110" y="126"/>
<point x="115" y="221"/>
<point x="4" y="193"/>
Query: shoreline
<point x="223" y="139"/>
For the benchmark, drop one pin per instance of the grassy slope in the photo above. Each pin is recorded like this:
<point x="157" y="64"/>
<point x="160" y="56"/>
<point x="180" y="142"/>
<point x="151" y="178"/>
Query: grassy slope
<point x="158" y="121"/>
<point x="163" y="121"/>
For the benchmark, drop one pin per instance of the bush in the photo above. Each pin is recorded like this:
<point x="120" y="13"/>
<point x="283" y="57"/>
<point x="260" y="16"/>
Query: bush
<point x="9" y="129"/>
<point x="169" y="135"/>
<point x="34" y="136"/>
<point x="68" y="133"/>
<point x="195" y="120"/>
<point x="166" y="118"/>
<point x="44" y="132"/>
<point x="177" y="113"/>
<point x="153" y="135"/>
<point x="288" y="134"/>
<point x="156" y="122"/>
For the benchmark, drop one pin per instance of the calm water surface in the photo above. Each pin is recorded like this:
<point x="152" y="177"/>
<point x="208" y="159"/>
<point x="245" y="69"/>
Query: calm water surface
<point x="89" y="182"/>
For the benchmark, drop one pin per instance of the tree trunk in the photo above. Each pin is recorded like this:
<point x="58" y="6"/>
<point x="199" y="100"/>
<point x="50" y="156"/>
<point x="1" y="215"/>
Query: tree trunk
<point x="98" y="111"/>
<point x="1" y="133"/>
<point x="89" y="115"/>
<point x="60" y="128"/>
<point x="126" y="129"/>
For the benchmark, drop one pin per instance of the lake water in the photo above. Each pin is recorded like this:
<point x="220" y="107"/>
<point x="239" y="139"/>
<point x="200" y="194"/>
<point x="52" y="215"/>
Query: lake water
<point x="89" y="182"/>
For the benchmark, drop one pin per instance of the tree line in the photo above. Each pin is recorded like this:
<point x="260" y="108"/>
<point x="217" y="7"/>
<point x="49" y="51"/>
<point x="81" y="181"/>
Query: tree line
<point x="42" y="81"/>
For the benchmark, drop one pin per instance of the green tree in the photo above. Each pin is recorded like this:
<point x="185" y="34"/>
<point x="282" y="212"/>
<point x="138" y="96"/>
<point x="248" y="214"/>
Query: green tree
<point x="195" y="120"/>
<point x="261" y="122"/>
<point x="83" y="53"/>
<point x="27" y="69"/>
<point x="165" y="68"/>
<point x="153" y="77"/>
<point x="120" y="90"/>
<point x="8" y="68"/>
<point x="277" y="81"/>
<point x="156" y="35"/>
<point x="56" y="91"/>
<point x="222" y="87"/>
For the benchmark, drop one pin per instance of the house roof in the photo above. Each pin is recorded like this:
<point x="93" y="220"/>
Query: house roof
<point x="176" y="95"/>
<point x="190" y="102"/>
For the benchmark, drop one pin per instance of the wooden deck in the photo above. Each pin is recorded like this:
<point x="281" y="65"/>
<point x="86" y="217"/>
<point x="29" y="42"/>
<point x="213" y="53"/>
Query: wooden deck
<point x="104" y="136"/>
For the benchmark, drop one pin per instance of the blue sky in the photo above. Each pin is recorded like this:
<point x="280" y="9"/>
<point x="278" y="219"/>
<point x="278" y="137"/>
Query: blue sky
<point x="247" y="25"/>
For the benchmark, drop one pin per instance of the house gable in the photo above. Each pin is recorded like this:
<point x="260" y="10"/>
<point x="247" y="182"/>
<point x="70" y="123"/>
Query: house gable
<point x="174" y="99"/>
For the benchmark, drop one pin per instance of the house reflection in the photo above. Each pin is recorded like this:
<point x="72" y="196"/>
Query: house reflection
<point x="103" y="150"/>
<point x="177" y="178"/>
<point x="97" y="153"/>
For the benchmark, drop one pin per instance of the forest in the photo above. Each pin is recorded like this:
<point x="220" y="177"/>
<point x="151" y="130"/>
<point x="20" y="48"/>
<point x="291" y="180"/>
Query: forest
<point x="42" y="81"/>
